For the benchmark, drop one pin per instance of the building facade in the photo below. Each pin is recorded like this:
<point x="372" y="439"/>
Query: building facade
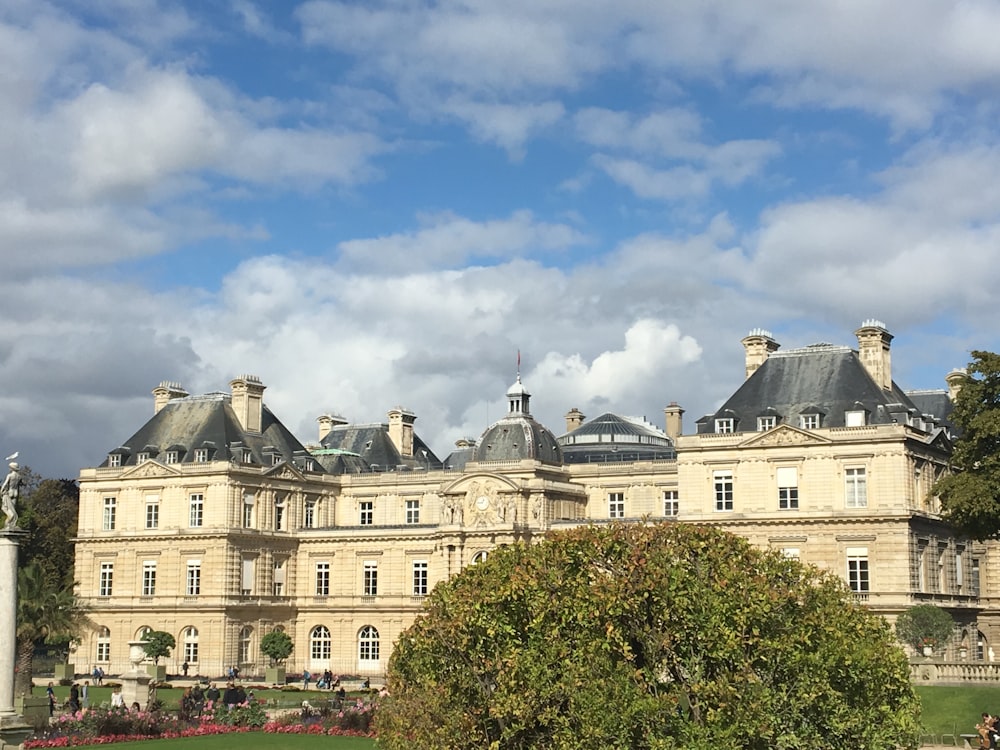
<point x="214" y="523"/>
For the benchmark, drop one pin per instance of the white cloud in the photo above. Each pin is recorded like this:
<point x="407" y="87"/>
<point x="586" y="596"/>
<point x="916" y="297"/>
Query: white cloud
<point x="451" y="241"/>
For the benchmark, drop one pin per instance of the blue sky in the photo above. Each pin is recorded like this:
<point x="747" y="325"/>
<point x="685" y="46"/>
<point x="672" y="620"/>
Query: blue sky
<point x="377" y="204"/>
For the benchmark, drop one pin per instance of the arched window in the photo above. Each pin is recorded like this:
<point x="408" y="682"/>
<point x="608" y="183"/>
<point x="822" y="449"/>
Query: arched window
<point x="320" y="643"/>
<point x="479" y="557"/>
<point x="189" y="638"/>
<point x="246" y="642"/>
<point x="141" y="633"/>
<point x="368" y="647"/>
<point x="103" y="645"/>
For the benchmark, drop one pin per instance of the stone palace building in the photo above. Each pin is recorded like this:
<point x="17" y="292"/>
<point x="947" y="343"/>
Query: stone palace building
<point x="215" y="523"/>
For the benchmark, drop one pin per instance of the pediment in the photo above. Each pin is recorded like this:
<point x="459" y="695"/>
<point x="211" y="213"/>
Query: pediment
<point x="479" y="481"/>
<point x="784" y="434"/>
<point x="284" y="470"/>
<point x="149" y="469"/>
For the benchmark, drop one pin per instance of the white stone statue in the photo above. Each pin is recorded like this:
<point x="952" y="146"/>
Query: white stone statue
<point x="10" y="491"/>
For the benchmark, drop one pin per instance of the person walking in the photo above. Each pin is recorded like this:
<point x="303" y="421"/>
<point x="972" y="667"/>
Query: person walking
<point x="51" y="695"/>
<point x="85" y="694"/>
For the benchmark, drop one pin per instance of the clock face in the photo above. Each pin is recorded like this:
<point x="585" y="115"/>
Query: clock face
<point x="483" y="502"/>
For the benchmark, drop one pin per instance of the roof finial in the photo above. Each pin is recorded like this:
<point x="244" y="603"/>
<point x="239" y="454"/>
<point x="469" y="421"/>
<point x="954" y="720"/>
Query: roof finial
<point x="519" y="364"/>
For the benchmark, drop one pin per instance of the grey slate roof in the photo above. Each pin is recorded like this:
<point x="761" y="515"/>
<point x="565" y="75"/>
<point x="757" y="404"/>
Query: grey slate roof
<point x="823" y="378"/>
<point x="373" y="449"/>
<point x="614" y="438"/>
<point x="184" y="424"/>
<point x="517" y="438"/>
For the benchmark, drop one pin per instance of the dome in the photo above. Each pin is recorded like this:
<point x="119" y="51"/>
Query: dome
<point x="518" y="436"/>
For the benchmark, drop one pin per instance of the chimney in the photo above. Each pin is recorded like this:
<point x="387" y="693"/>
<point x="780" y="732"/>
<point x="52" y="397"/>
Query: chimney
<point x="574" y="418"/>
<point x="327" y="422"/>
<point x="401" y="430"/>
<point x="165" y="392"/>
<point x="674" y="415"/>
<point x="873" y="350"/>
<point x="248" y="401"/>
<point x="955" y="380"/>
<point x="758" y="345"/>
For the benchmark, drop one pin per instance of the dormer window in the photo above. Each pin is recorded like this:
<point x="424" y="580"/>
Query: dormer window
<point x="141" y="458"/>
<point x="809" y="421"/>
<point x="276" y="459"/>
<point x="114" y="460"/>
<point x="726" y="424"/>
<point x="170" y="457"/>
<point x="201" y="455"/>
<point x="855" y="418"/>
<point x="766" y="423"/>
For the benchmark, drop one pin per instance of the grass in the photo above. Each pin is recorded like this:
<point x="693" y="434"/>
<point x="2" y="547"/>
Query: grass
<point x="956" y="710"/>
<point x="253" y="741"/>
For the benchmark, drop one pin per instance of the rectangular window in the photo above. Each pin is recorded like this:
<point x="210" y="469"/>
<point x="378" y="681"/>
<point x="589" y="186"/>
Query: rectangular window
<point x="725" y="425"/>
<point x="974" y="577"/>
<point x="201" y="455"/>
<point x="792" y="553"/>
<point x="412" y="511"/>
<point x="788" y="487"/>
<point x="723" y="490"/>
<point x="809" y="421"/>
<point x="248" y="511"/>
<point x="942" y="573"/>
<point x="193" y="587"/>
<point x="103" y="649"/>
<point x="616" y="505"/>
<point x="171" y="457"/>
<point x="854" y="419"/>
<point x="110" y="509"/>
<point x="196" y="510"/>
<point x="149" y="578"/>
<point x="959" y="570"/>
<point x="107" y="579"/>
<point x="141" y="459"/>
<point x="420" y="578"/>
<point x="279" y="515"/>
<point x="115" y="460"/>
<point x="276" y="458"/>
<point x="857" y="570"/>
<point x="191" y="651"/>
<point x="152" y="511"/>
<point x="322" y="579"/>
<point x="671" y="504"/>
<point x="766" y="423"/>
<point x="247" y="576"/>
<point x="855" y="488"/>
<point x="370" y="581"/>
<point x="367" y="512"/>
<point x="309" y="514"/>
<point x="279" y="578"/>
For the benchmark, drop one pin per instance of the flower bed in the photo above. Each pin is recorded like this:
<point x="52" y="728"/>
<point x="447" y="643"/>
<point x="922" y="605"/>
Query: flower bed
<point x="101" y="726"/>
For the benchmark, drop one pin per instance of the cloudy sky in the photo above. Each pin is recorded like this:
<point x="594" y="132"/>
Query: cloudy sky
<point x="371" y="204"/>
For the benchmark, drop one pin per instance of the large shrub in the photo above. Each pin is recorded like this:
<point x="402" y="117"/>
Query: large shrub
<point x="925" y="626"/>
<point x="646" y="636"/>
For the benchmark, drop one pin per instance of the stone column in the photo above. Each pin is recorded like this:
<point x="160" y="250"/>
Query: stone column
<point x="13" y="729"/>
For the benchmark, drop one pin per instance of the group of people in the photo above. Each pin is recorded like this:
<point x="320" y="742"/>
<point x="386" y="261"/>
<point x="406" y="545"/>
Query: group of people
<point x="79" y="697"/>
<point x="195" y="700"/>
<point x="989" y="731"/>
<point x="328" y="681"/>
<point x="98" y="675"/>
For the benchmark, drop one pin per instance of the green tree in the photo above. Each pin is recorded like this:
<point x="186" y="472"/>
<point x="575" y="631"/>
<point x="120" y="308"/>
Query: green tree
<point x="646" y="636"/>
<point x="276" y="645"/>
<point x="50" y="512"/>
<point x="970" y="494"/>
<point x="925" y="625"/>
<point x="158" y="643"/>
<point x="46" y="612"/>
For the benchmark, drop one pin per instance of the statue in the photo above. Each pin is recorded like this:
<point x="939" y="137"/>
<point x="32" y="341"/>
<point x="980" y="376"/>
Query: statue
<point x="10" y="491"/>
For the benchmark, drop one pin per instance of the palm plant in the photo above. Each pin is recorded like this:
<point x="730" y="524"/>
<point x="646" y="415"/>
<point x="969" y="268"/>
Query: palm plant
<point x="46" y="611"/>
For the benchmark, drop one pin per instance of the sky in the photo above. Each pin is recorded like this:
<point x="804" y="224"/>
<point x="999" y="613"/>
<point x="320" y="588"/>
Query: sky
<point x="379" y="204"/>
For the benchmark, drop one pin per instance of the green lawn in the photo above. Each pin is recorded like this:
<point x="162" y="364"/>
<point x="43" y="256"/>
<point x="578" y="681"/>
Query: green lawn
<point x="956" y="710"/>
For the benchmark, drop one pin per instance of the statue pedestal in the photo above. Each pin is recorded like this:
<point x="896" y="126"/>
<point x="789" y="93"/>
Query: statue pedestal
<point x="135" y="682"/>
<point x="13" y="729"/>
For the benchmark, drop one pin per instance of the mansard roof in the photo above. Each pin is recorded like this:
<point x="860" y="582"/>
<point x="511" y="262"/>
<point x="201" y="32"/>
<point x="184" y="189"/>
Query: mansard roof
<point x="208" y="421"/>
<point x="612" y="437"/>
<point x="373" y="450"/>
<point x="823" y="378"/>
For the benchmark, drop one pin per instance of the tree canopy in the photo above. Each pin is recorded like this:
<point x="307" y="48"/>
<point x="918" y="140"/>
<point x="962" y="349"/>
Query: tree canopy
<point x="646" y="636"/>
<point x="970" y="494"/>
<point x="925" y="625"/>
<point x="277" y="645"/>
<point x="158" y="643"/>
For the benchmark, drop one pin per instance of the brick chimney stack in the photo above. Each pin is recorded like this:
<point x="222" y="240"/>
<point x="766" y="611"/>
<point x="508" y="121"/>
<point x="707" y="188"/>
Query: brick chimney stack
<point x="574" y="418"/>
<point x="873" y="350"/>
<point x="759" y="345"/>
<point x="401" y="430"/>
<point x="674" y="420"/>
<point x="248" y="401"/>
<point x="165" y="392"/>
